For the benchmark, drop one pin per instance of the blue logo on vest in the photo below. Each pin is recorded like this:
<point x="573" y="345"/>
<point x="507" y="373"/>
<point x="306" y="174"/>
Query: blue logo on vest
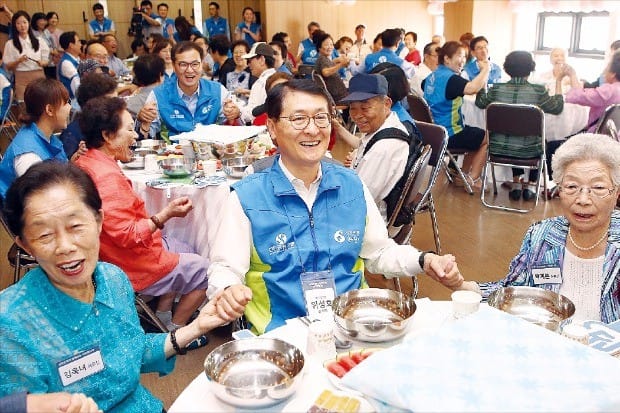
<point x="382" y="59"/>
<point x="281" y="244"/>
<point x="339" y="237"/>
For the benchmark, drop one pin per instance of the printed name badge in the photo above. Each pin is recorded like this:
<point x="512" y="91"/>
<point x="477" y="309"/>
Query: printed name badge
<point x="551" y="275"/>
<point x="319" y="291"/>
<point x="80" y="366"/>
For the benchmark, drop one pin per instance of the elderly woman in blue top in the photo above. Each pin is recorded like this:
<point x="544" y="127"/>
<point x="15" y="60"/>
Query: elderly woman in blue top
<point x="576" y="254"/>
<point x="71" y="324"/>
<point x="303" y="229"/>
<point x="47" y="111"/>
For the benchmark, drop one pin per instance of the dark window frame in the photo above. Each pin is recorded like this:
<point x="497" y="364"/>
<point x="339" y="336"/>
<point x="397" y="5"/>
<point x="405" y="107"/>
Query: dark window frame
<point x="577" y="19"/>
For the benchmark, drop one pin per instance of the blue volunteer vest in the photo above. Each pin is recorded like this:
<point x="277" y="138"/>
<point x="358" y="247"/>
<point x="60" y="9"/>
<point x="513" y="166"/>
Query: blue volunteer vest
<point x="382" y="56"/>
<point x="446" y="113"/>
<point x="328" y="236"/>
<point x="98" y="28"/>
<point x="214" y="27"/>
<point x="175" y="115"/>
<point x="66" y="81"/>
<point x="28" y="139"/>
<point x="472" y="71"/>
<point x="310" y="54"/>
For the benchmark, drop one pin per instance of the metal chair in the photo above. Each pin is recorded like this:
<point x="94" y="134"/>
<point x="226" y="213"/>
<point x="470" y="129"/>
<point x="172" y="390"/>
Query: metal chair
<point x="408" y="199"/>
<point x="609" y="123"/>
<point x="517" y="120"/>
<point x="437" y="137"/>
<point x="304" y="71"/>
<point x="146" y="313"/>
<point x="421" y="112"/>
<point x="8" y="126"/>
<point x="19" y="259"/>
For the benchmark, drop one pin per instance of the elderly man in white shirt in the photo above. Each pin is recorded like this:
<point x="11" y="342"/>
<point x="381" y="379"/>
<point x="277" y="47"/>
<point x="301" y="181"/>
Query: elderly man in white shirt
<point x="429" y="64"/>
<point x="297" y="234"/>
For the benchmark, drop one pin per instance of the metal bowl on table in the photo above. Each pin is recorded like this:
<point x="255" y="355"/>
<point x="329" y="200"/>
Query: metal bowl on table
<point x="137" y="159"/>
<point x="152" y="144"/>
<point x="373" y="314"/>
<point x="254" y="372"/>
<point x="177" y="167"/>
<point x="536" y="305"/>
<point x="235" y="167"/>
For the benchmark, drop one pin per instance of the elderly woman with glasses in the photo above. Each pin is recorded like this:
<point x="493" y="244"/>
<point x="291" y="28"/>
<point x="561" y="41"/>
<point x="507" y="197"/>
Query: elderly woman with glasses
<point x="576" y="254"/>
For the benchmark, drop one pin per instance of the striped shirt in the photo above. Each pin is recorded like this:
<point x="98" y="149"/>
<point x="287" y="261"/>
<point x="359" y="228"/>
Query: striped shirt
<point x="544" y="247"/>
<point x="518" y="90"/>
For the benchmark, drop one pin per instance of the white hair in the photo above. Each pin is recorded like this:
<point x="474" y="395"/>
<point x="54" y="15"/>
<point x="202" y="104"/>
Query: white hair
<point x="587" y="147"/>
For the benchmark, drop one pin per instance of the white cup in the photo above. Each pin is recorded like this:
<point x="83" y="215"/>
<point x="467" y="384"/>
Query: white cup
<point x="321" y="344"/>
<point x="465" y="303"/>
<point x="150" y="163"/>
<point x="209" y="167"/>
<point x="577" y="333"/>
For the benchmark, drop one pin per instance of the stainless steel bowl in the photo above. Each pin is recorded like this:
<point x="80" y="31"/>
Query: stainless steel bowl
<point x="153" y="144"/>
<point x="254" y="372"/>
<point x="535" y="305"/>
<point x="177" y="167"/>
<point x="137" y="159"/>
<point x="373" y="314"/>
<point x="235" y="167"/>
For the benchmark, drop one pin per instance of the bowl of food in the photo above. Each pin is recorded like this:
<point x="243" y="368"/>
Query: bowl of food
<point x="254" y="372"/>
<point x="373" y="314"/>
<point x="204" y="150"/>
<point x="152" y="144"/>
<point x="137" y="159"/>
<point x="235" y="167"/>
<point x="536" y="305"/>
<point x="177" y="167"/>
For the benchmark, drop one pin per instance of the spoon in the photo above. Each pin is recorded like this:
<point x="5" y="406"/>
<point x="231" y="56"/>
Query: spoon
<point x="340" y="344"/>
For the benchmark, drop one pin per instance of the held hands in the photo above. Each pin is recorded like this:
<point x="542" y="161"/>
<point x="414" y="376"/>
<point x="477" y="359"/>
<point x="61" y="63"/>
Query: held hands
<point x="148" y="113"/>
<point x="443" y="269"/>
<point x="232" y="301"/>
<point x="61" y="402"/>
<point x="231" y="110"/>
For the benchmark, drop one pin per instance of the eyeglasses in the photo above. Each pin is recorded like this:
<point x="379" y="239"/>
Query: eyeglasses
<point x="598" y="191"/>
<point x="301" y="122"/>
<point x="195" y="65"/>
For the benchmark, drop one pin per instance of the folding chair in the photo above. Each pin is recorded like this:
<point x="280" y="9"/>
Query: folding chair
<point x="407" y="200"/>
<point x="517" y="120"/>
<point x="609" y="123"/>
<point x="350" y="125"/>
<point x="8" y="126"/>
<point x="420" y="111"/>
<point x="19" y="259"/>
<point x="437" y="137"/>
<point x="304" y="71"/>
<point x="146" y="313"/>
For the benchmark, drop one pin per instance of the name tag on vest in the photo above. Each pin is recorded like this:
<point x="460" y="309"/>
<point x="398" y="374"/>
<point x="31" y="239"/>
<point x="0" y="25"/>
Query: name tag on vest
<point x="550" y="275"/>
<point x="80" y="366"/>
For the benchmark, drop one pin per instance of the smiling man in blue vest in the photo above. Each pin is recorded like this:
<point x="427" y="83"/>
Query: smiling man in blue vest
<point x="299" y="233"/>
<point x="186" y="99"/>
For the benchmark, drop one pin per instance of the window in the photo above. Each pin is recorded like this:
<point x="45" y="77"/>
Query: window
<point x="579" y="33"/>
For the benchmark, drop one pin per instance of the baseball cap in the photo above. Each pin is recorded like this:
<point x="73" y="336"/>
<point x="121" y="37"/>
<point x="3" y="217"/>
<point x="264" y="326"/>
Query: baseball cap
<point x="365" y="86"/>
<point x="87" y="66"/>
<point x="259" y="48"/>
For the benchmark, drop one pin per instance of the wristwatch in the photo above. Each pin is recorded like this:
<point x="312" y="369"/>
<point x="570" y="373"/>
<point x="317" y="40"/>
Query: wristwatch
<point x="421" y="258"/>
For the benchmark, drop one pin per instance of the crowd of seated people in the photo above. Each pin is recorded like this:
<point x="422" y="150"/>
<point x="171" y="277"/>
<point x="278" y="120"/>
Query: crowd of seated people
<point x="180" y="78"/>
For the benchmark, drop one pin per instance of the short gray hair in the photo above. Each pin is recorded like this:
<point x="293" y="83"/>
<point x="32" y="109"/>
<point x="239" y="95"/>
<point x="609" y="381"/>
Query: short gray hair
<point x="586" y="147"/>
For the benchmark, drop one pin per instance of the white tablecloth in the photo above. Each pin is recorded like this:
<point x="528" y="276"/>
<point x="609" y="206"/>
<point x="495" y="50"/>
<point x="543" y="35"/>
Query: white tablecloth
<point x="199" y="227"/>
<point x="572" y="119"/>
<point x="434" y="319"/>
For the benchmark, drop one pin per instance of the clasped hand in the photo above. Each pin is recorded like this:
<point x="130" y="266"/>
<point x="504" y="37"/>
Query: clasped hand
<point x="443" y="269"/>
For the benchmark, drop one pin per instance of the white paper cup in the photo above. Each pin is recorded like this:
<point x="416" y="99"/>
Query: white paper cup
<point x="321" y="344"/>
<point x="465" y="303"/>
<point x="209" y="167"/>
<point x="150" y="163"/>
<point x="577" y="333"/>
